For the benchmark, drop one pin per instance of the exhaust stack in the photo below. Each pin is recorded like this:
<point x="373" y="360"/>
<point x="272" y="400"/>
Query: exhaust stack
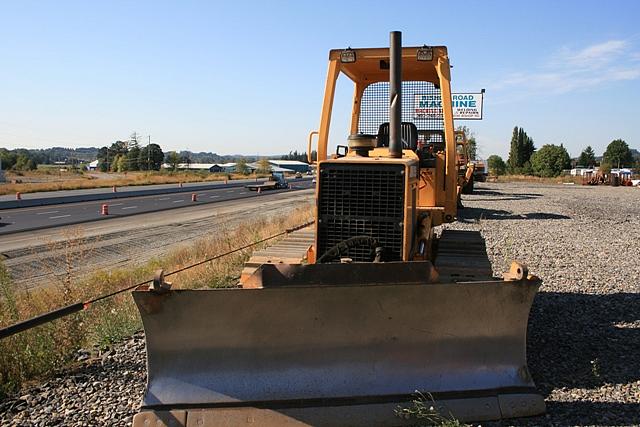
<point x="395" y="94"/>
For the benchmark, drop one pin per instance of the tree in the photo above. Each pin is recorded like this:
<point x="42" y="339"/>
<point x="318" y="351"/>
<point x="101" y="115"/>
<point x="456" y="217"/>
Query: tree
<point x="496" y="165"/>
<point x="151" y="157"/>
<point x="618" y="154"/>
<point x="522" y="148"/>
<point x="264" y="166"/>
<point x="241" y="166"/>
<point x="550" y="160"/>
<point x="587" y="158"/>
<point x="133" y="157"/>
<point x="173" y="159"/>
<point x="605" y="168"/>
<point x="115" y="163"/>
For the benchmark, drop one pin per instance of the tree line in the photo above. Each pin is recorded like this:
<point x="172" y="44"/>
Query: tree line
<point x="124" y="156"/>
<point x="550" y="160"/>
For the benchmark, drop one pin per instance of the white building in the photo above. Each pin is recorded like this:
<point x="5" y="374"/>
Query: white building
<point x="92" y="166"/>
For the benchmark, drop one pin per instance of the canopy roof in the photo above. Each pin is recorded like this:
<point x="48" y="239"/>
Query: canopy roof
<point x="372" y="65"/>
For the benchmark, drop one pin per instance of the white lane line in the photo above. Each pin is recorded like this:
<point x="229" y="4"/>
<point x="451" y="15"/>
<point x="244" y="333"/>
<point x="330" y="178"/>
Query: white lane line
<point x="59" y="216"/>
<point x="230" y="191"/>
<point x="115" y="204"/>
<point x="45" y="213"/>
<point x="177" y="201"/>
<point x="129" y="207"/>
<point x="164" y="198"/>
<point x="213" y="197"/>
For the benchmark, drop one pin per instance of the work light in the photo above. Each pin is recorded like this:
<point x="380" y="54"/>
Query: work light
<point x="425" y="53"/>
<point x="348" y="55"/>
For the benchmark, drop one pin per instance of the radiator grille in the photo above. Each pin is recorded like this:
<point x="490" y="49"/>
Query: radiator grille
<point x="361" y="200"/>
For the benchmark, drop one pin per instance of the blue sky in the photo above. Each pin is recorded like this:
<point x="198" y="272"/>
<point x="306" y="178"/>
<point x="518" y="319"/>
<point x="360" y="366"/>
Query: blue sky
<point x="248" y="77"/>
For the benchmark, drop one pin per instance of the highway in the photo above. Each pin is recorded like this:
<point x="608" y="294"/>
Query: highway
<point x="36" y="218"/>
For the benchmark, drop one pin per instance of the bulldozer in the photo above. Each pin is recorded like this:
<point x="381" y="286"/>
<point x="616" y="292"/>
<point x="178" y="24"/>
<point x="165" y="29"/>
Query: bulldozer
<point x="380" y="307"/>
<point x="466" y="167"/>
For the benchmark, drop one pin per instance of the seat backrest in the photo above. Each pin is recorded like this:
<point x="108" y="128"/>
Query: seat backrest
<point x="408" y="135"/>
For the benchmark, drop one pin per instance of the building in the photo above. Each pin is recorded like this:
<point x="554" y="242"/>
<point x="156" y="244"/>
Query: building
<point x="578" y="171"/>
<point x="291" y="165"/>
<point x="624" y="173"/>
<point x="93" y="165"/>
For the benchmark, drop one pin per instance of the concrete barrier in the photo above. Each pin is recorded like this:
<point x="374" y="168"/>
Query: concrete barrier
<point x="92" y="197"/>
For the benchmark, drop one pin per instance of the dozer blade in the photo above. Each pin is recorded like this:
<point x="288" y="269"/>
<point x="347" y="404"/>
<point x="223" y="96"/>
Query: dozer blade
<point x="337" y="344"/>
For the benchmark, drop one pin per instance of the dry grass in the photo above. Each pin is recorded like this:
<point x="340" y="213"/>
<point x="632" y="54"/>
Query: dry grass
<point x="84" y="181"/>
<point x="41" y="350"/>
<point x="528" y="178"/>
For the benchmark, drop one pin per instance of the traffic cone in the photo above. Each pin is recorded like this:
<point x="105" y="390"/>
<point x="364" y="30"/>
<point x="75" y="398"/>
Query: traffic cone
<point x="18" y="195"/>
<point x="104" y="209"/>
<point x="194" y="197"/>
<point x="115" y="190"/>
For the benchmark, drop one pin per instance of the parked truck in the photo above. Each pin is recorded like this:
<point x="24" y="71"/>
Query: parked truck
<point x="276" y="181"/>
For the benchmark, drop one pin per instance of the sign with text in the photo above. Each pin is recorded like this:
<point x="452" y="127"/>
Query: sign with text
<point x="466" y="106"/>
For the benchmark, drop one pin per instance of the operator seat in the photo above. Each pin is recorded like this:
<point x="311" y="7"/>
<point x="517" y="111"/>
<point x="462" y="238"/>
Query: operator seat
<point x="408" y="135"/>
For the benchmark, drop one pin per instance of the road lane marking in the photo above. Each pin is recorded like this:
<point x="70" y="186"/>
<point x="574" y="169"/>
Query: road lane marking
<point x="213" y="197"/>
<point x="129" y="207"/>
<point x="115" y="204"/>
<point x="59" y="216"/>
<point x="177" y="201"/>
<point x="230" y="191"/>
<point x="164" y="198"/>
<point x="45" y="213"/>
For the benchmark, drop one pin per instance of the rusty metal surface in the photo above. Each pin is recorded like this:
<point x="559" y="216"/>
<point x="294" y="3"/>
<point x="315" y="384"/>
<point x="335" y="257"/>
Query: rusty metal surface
<point x="291" y="250"/>
<point x="348" y="274"/>
<point x="462" y="256"/>
<point x="320" y="344"/>
<point x="371" y="415"/>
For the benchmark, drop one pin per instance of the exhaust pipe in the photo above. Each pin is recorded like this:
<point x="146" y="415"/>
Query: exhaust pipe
<point x="395" y="94"/>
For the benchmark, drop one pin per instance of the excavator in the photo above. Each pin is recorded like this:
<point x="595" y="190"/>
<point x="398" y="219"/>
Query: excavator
<point x="382" y="307"/>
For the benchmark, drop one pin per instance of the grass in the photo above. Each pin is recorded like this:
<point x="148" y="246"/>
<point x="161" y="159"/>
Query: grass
<point x="76" y="181"/>
<point x="528" y="178"/>
<point x="425" y="411"/>
<point x="42" y="350"/>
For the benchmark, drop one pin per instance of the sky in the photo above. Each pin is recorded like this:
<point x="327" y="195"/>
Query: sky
<point x="239" y="77"/>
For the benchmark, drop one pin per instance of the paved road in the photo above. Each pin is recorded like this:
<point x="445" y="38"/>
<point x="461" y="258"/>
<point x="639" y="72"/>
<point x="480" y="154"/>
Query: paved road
<point x="25" y="219"/>
<point x="107" y="191"/>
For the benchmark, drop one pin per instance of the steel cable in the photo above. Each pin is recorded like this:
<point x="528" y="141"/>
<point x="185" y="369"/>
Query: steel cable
<point x="80" y="306"/>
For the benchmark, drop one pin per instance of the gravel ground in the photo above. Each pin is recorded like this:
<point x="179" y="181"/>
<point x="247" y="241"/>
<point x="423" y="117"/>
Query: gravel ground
<point x="584" y="332"/>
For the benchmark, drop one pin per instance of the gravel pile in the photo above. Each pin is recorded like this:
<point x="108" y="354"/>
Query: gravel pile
<point x="103" y="389"/>
<point x="584" y="328"/>
<point x="584" y="331"/>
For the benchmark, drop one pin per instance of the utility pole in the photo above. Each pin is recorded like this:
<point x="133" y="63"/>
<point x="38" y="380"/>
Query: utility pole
<point x="149" y="153"/>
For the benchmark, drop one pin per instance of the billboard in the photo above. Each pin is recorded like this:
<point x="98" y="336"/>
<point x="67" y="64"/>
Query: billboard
<point x="466" y="106"/>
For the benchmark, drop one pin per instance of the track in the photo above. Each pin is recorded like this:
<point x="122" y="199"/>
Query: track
<point x="462" y="256"/>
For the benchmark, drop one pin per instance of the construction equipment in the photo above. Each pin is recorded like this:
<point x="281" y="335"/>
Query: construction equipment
<point x="466" y="167"/>
<point x="276" y="181"/>
<point x="380" y="309"/>
<point x="480" y="172"/>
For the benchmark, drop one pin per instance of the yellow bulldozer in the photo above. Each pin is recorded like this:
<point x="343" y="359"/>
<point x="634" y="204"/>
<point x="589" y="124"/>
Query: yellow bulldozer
<point x="466" y="167"/>
<point x="381" y="308"/>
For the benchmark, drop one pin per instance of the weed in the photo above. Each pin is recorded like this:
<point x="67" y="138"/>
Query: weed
<point x="41" y="350"/>
<point x="595" y="368"/>
<point x="426" y="412"/>
<point x="75" y="181"/>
